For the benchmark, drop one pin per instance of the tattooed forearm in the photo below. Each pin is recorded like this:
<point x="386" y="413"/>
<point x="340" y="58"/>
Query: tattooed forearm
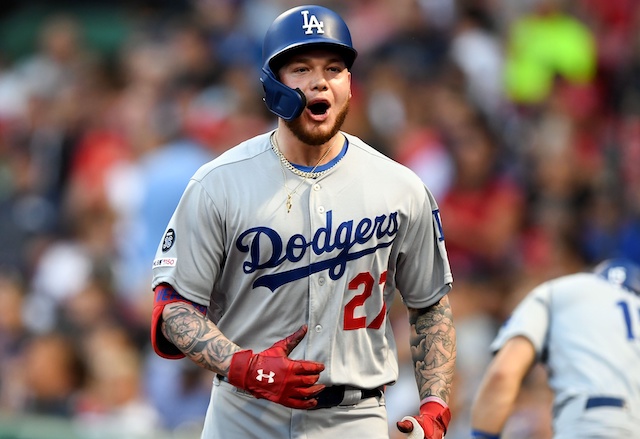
<point x="433" y="349"/>
<point x="197" y="337"/>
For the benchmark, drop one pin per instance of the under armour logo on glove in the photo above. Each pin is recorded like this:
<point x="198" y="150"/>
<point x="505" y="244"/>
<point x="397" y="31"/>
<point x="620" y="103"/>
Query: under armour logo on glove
<point x="262" y="375"/>
<point x="297" y="384"/>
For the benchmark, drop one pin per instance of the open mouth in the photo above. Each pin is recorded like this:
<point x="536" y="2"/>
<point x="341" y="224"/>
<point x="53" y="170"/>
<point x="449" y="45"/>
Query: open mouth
<point x="318" y="108"/>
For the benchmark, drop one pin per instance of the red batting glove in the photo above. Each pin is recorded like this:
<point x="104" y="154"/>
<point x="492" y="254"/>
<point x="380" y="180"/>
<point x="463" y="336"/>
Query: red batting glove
<point x="271" y="375"/>
<point x="432" y="422"/>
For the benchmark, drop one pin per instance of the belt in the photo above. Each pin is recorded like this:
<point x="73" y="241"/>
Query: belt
<point x="334" y="396"/>
<point x="604" y="401"/>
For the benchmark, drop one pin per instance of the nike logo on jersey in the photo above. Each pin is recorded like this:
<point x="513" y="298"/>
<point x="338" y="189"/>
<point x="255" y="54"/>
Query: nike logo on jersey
<point x="266" y="249"/>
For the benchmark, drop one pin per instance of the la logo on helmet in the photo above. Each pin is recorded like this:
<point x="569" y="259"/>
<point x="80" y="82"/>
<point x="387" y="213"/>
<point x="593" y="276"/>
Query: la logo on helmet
<point x="617" y="275"/>
<point x="311" y="23"/>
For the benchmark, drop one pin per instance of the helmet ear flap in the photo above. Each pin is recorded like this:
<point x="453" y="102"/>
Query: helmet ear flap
<point x="285" y="102"/>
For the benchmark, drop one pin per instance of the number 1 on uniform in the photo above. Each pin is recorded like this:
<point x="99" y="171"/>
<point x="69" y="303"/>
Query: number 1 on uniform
<point x="626" y="312"/>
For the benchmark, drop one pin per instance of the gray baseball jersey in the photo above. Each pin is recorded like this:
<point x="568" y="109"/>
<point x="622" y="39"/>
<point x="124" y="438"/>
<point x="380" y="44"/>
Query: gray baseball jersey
<point x="587" y="331"/>
<point x="353" y="237"/>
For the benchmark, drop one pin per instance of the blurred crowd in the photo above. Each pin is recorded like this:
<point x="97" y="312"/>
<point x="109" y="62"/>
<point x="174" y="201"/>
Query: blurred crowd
<point x="522" y="117"/>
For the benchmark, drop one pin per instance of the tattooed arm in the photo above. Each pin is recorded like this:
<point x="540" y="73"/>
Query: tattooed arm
<point x="433" y="349"/>
<point x="197" y="337"/>
<point x="294" y="382"/>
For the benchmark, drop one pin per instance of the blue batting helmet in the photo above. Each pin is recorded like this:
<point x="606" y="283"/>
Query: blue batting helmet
<point x="299" y="27"/>
<point x="621" y="272"/>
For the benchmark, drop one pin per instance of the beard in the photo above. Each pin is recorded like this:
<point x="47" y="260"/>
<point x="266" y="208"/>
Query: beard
<point x="317" y="138"/>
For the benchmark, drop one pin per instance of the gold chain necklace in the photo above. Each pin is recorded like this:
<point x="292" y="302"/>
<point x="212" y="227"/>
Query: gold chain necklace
<point x="305" y="175"/>
<point x="289" y="166"/>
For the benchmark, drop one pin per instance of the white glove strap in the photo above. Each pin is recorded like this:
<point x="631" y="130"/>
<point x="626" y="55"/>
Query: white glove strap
<point x="417" y="432"/>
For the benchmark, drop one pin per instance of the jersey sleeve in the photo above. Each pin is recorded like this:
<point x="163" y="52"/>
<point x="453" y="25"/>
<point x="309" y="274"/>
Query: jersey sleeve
<point x="165" y="295"/>
<point x="530" y="319"/>
<point x="191" y="252"/>
<point x="423" y="273"/>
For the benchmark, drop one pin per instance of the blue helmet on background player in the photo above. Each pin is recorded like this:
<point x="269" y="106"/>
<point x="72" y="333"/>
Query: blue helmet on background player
<point x="296" y="28"/>
<point x="620" y="271"/>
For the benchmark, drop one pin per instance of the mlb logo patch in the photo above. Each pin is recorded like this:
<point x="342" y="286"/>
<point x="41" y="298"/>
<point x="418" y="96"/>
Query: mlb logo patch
<point x="164" y="262"/>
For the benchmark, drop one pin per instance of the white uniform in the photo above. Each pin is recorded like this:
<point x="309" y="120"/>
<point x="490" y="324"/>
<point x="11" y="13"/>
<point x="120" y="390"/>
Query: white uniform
<point x="353" y="236"/>
<point x="587" y="331"/>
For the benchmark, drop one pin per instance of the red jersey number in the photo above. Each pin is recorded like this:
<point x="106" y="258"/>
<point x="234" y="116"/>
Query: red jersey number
<point x="366" y="281"/>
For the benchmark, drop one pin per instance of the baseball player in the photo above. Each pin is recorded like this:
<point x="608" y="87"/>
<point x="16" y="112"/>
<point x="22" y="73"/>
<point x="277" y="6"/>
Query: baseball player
<point x="586" y="328"/>
<point x="282" y="258"/>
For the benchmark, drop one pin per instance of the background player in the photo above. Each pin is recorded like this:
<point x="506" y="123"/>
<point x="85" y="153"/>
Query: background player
<point x="280" y="262"/>
<point x="586" y="328"/>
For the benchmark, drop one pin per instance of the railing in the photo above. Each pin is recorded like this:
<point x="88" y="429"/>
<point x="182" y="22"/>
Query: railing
<point x="41" y="427"/>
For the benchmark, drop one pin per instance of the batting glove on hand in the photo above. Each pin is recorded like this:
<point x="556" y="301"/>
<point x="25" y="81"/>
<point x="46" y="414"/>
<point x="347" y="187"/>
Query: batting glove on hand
<point x="432" y="422"/>
<point x="271" y="375"/>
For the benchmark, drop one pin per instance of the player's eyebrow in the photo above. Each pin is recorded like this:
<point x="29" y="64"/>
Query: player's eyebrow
<point x="307" y="58"/>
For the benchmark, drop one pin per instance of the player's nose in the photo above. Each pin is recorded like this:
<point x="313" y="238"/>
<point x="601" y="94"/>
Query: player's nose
<point x="319" y="83"/>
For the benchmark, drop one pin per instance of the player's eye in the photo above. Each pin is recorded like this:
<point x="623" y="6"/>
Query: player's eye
<point x="296" y="68"/>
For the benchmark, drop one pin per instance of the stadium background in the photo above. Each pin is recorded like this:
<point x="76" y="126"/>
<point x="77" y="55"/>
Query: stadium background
<point x="522" y="116"/>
